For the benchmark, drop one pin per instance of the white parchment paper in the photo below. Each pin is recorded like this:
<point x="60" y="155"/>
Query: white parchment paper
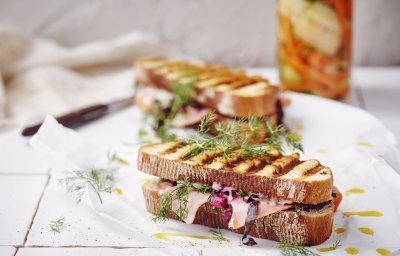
<point x="359" y="150"/>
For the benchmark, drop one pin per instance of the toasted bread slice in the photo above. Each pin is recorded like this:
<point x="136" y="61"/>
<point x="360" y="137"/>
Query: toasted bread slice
<point x="305" y="226"/>
<point x="231" y="92"/>
<point x="275" y="176"/>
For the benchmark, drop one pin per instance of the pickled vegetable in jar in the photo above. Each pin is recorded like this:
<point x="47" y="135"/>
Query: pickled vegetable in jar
<point x="314" y="46"/>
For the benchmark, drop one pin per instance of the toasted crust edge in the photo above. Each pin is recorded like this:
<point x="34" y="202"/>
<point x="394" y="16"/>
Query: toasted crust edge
<point x="304" y="228"/>
<point x="274" y="188"/>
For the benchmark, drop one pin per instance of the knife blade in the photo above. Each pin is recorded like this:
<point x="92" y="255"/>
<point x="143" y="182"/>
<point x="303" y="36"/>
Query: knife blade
<point x="83" y="116"/>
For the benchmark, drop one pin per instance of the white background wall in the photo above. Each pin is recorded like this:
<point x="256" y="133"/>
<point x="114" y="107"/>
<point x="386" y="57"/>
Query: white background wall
<point x="234" y="32"/>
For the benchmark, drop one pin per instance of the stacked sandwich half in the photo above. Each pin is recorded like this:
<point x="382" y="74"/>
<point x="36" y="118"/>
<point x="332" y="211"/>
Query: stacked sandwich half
<point x="230" y="93"/>
<point x="269" y="196"/>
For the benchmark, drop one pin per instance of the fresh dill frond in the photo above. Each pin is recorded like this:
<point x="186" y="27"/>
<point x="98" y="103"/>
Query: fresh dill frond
<point x="163" y="116"/>
<point x="182" y="93"/>
<point x="57" y="225"/>
<point x="242" y="136"/>
<point x="119" y="160"/>
<point x="143" y="133"/>
<point x="228" y="137"/>
<point x="180" y="196"/>
<point x="218" y="234"/>
<point x="279" y="132"/>
<point x="294" y="141"/>
<point x="99" y="180"/>
<point x="273" y="140"/>
<point x="205" y="122"/>
<point x="242" y="193"/>
<point x="336" y="244"/>
<point x="293" y="249"/>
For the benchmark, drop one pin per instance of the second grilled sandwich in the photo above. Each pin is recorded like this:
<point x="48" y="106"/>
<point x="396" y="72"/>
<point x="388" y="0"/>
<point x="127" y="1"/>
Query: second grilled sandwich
<point x="231" y="93"/>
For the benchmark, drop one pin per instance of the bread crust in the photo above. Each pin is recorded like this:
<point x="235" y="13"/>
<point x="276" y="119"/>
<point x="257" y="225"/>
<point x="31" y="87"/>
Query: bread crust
<point x="298" y="191"/>
<point x="305" y="228"/>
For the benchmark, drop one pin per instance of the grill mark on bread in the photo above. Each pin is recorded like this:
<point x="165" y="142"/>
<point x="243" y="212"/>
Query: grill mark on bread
<point x="257" y="166"/>
<point x="211" y="158"/>
<point x="223" y="163"/>
<point x="165" y="69"/>
<point x="214" y="81"/>
<point x="313" y="171"/>
<point x="203" y="158"/>
<point x="237" y="83"/>
<point x="174" y="148"/>
<point x="285" y="164"/>
<point x="232" y="164"/>
<point x="299" y="171"/>
<point x="178" y="153"/>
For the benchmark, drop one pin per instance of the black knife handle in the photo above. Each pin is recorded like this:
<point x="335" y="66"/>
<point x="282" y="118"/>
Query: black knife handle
<point x="73" y="119"/>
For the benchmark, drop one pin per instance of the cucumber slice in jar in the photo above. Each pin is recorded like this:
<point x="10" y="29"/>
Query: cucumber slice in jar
<point x="314" y="23"/>
<point x="288" y="74"/>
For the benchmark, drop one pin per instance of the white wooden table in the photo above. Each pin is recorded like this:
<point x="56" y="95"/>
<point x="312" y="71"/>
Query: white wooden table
<point x="30" y="199"/>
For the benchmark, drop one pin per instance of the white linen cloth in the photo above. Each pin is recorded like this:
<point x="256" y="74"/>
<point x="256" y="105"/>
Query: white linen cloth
<point x="39" y="77"/>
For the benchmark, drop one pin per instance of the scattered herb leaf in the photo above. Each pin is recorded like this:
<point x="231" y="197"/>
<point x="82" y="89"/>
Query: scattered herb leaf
<point x="336" y="244"/>
<point x="57" y="225"/>
<point x="279" y="132"/>
<point x="119" y="160"/>
<point x="143" y="133"/>
<point x="293" y="249"/>
<point x="218" y="234"/>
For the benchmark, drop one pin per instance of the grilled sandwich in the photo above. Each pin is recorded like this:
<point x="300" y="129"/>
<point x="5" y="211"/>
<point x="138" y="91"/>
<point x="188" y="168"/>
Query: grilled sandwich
<point x="272" y="196"/>
<point x="231" y="93"/>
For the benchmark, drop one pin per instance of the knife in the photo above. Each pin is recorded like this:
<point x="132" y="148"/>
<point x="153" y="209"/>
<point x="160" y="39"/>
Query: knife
<point x="83" y="116"/>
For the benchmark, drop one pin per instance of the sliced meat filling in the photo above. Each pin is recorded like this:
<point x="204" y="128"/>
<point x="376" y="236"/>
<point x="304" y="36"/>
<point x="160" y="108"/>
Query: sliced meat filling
<point x="235" y="203"/>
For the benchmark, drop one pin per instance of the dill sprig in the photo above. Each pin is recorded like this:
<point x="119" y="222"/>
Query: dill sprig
<point x="293" y="249"/>
<point x="180" y="194"/>
<point x="182" y="93"/>
<point x="229" y="136"/>
<point x="99" y="180"/>
<point x="218" y="234"/>
<point x="336" y="244"/>
<point x="119" y="160"/>
<point x="241" y="136"/>
<point x="279" y="133"/>
<point x="163" y="116"/>
<point x="57" y="225"/>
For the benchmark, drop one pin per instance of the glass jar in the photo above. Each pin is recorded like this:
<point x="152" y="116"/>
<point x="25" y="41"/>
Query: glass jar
<point x="314" y="46"/>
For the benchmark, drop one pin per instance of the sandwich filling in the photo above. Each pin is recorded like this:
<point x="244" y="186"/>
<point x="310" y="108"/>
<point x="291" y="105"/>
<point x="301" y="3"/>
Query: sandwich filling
<point x="182" y="200"/>
<point x="235" y="203"/>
